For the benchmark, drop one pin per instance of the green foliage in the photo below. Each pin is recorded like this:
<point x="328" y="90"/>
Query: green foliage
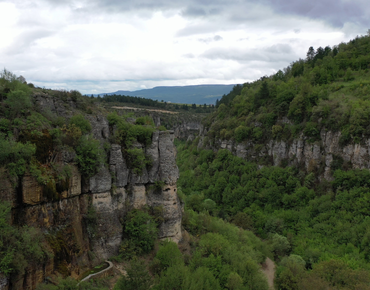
<point x="80" y="122"/>
<point x="89" y="155"/>
<point x="19" y="247"/>
<point x="141" y="231"/>
<point x="304" y="220"/>
<point x="329" y="90"/>
<point x="146" y="120"/>
<point x="113" y="118"/>
<point x="169" y="255"/>
<point x="137" y="160"/>
<point x="15" y="155"/>
<point x="18" y="101"/>
<point x="137" y="277"/>
<point x="72" y="284"/>
<point x="242" y="133"/>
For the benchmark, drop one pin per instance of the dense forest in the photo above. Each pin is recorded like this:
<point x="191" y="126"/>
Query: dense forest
<point x="237" y="212"/>
<point x="329" y="89"/>
<point x="212" y="255"/>
<point x="322" y="225"/>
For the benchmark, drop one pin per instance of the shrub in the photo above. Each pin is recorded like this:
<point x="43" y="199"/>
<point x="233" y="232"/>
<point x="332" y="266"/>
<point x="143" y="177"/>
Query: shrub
<point x="169" y="255"/>
<point x="89" y="155"/>
<point x="18" y="101"/>
<point x="146" y="120"/>
<point x="18" y="247"/>
<point x="242" y="133"/>
<point x="137" y="277"/>
<point x="141" y="230"/>
<point x="137" y="160"/>
<point x="80" y="122"/>
<point x="114" y="119"/>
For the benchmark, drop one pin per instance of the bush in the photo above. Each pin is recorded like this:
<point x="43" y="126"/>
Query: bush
<point x="80" y="122"/>
<point x="169" y="255"/>
<point x="146" y="120"/>
<point x="242" y="133"/>
<point x="89" y="155"/>
<point x="137" y="160"/>
<point x="19" y="247"/>
<point x="137" y="278"/>
<point x="141" y="230"/>
<point x="18" y="101"/>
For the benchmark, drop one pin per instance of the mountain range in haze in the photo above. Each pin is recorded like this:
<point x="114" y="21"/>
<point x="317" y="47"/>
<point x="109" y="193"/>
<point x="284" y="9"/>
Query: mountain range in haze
<point x="196" y="94"/>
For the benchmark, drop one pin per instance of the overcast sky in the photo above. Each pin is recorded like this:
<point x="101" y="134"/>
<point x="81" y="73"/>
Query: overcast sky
<point x="99" y="46"/>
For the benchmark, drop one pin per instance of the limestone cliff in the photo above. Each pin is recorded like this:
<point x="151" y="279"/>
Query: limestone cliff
<point x="84" y="225"/>
<point x="311" y="156"/>
<point x="185" y="125"/>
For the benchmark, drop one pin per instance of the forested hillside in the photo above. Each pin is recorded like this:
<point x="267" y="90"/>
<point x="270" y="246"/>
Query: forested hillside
<point x="329" y="89"/>
<point x="317" y="224"/>
<point x="81" y="183"/>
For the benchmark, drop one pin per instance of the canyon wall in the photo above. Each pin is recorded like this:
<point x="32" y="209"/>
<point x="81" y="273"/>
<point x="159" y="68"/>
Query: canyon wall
<point x="84" y="225"/>
<point x="315" y="156"/>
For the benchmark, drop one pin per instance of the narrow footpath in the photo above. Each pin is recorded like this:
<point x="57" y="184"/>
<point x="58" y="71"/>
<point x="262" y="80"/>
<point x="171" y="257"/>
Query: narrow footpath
<point x="268" y="268"/>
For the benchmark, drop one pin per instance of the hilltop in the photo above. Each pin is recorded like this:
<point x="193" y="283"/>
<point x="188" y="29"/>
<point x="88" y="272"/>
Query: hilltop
<point x="197" y="94"/>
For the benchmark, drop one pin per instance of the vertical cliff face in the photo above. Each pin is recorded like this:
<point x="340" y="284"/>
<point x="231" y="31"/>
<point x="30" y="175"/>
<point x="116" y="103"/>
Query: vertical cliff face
<point x="128" y="190"/>
<point x="84" y="225"/>
<point x="301" y="152"/>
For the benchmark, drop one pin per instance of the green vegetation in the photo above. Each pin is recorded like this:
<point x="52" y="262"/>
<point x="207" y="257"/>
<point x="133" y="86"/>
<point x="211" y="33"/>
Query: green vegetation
<point x="137" y="278"/>
<point x="80" y="122"/>
<point x="19" y="246"/>
<point x="222" y="257"/>
<point x="89" y="155"/>
<point x="72" y="284"/>
<point x="138" y="101"/>
<point x="328" y="90"/>
<point x="128" y="135"/>
<point x="308" y="224"/>
<point x="140" y="233"/>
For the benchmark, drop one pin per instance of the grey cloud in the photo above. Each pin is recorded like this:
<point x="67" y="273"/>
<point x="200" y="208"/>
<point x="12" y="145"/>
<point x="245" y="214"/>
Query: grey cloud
<point x="211" y="39"/>
<point x="193" y="11"/>
<point x="272" y="54"/>
<point x="189" y="55"/>
<point x="25" y="40"/>
<point x="217" y="38"/>
<point x="334" y="12"/>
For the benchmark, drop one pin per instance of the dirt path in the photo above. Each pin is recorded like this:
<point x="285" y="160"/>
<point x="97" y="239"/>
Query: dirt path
<point x="141" y="109"/>
<point x="268" y="268"/>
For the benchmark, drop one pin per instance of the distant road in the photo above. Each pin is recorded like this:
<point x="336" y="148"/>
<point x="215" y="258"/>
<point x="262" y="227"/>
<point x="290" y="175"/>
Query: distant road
<point x="140" y="109"/>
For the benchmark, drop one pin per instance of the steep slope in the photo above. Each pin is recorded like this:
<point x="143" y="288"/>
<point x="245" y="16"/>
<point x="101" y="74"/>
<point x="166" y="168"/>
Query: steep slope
<point x="287" y="157"/>
<point x="313" y="115"/>
<point x="70" y="175"/>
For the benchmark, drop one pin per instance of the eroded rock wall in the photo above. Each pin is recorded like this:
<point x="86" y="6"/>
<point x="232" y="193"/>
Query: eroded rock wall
<point x="105" y="197"/>
<point x="301" y="152"/>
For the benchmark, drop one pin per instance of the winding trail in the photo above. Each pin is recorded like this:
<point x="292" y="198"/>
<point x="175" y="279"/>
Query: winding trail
<point x="268" y="269"/>
<point x="98" y="273"/>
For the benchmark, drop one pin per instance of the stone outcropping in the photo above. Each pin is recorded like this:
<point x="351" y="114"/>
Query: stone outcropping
<point x="300" y="151"/>
<point x="87" y="217"/>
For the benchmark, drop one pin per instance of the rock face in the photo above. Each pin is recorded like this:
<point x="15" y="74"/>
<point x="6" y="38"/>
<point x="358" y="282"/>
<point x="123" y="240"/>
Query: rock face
<point x="309" y="156"/>
<point x="87" y="217"/>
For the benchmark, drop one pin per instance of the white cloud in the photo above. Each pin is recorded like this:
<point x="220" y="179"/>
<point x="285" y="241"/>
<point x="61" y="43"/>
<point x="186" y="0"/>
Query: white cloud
<point x="103" y="46"/>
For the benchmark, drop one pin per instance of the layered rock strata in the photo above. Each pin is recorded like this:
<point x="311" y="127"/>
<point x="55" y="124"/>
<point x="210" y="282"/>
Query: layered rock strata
<point x="301" y="152"/>
<point x="104" y="198"/>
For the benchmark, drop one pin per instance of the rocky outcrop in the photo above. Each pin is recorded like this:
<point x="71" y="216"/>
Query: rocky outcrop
<point x="301" y="152"/>
<point x="187" y="130"/>
<point x="136" y="191"/>
<point x="87" y="217"/>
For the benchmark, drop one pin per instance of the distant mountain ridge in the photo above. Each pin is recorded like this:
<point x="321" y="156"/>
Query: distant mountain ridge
<point x="195" y="94"/>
